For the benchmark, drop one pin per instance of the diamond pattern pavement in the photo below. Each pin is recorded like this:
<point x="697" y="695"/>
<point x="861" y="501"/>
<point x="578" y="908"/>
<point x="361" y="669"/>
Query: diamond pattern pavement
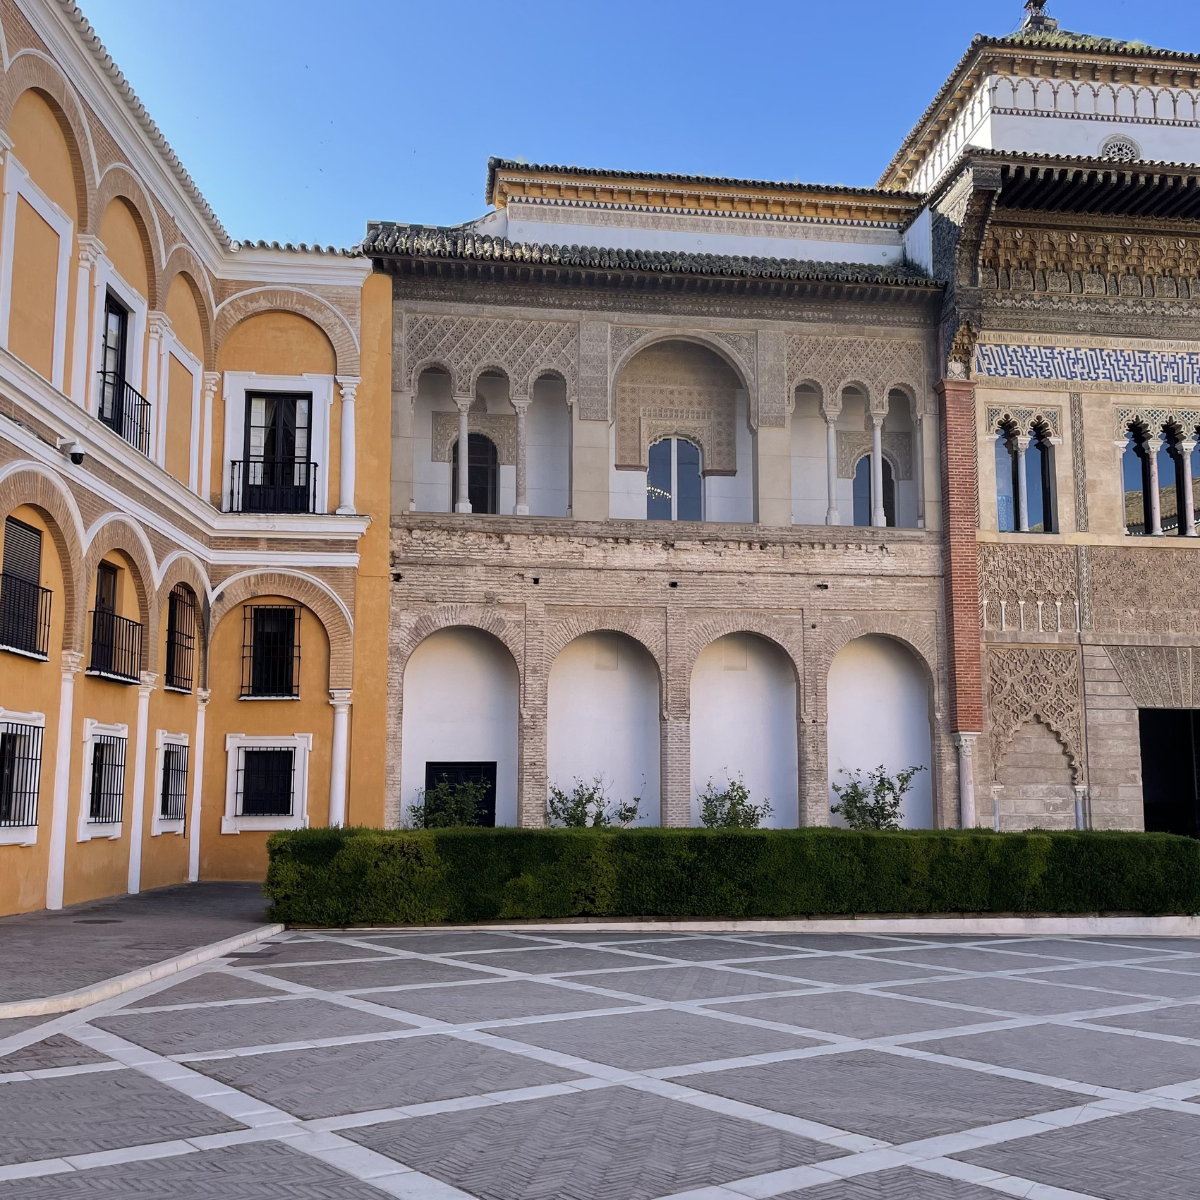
<point x="546" y="1103"/>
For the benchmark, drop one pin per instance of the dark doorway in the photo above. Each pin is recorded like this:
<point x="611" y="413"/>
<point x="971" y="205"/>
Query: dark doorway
<point x="483" y="474"/>
<point x="277" y="475"/>
<point x="1170" y="738"/>
<point x="467" y="772"/>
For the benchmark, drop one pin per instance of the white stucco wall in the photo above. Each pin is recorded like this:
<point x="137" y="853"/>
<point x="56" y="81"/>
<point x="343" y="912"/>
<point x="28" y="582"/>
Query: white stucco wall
<point x="743" y="701"/>
<point x="878" y="703"/>
<point x="460" y="705"/>
<point x="431" y="480"/>
<point x="548" y="465"/>
<point x="731" y="497"/>
<point x="604" y="719"/>
<point x="810" y="479"/>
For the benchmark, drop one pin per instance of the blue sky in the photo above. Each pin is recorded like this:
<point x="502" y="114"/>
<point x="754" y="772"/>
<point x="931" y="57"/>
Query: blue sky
<point x="301" y="120"/>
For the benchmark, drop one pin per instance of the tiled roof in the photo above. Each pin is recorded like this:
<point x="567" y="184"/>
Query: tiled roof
<point x="386" y="240"/>
<point x="302" y="248"/>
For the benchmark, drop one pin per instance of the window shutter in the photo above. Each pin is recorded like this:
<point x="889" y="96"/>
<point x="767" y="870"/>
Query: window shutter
<point x="22" y="551"/>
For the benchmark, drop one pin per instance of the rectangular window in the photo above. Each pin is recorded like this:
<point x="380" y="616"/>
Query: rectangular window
<point x="20" y="774"/>
<point x="276" y="474"/>
<point x="172" y="799"/>
<point x="107" y="791"/>
<point x="271" y="650"/>
<point x="24" y="603"/>
<point x="264" y="786"/>
<point x="181" y="637"/>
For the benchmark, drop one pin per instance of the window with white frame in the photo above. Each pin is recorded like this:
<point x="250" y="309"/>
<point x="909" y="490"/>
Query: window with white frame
<point x="102" y="802"/>
<point x="20" y="776"/>
<point x="171" y="776"/>
<point x="266" y="782"/>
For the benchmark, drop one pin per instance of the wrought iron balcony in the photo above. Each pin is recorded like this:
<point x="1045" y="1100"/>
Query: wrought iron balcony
<point x="24" y="616"/>
<point x="116" y="647"/>
<point x="125" y="410"/>
<point x="269" y="485"/>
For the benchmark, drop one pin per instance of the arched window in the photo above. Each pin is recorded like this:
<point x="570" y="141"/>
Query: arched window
<point x="181" y="637"/>
<point x="1158" y="468"/>
<point x="674" y="486"/>
<point x="1039" y="481"/>
<point x="483" y="473"/>
<point x="1135" y="482"/>
<point x="1025" y="489"/>
<point x="862" y="492"/>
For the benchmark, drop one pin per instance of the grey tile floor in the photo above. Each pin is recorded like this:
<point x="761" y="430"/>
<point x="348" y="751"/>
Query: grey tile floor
<point x="599" y="1065"/>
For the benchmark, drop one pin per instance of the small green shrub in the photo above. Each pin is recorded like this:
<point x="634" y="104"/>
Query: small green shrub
<point x="587" y="805"/>
<point x="731" y="808"/>
<point x="875" y="804"/>
<point x="447" y="804"/>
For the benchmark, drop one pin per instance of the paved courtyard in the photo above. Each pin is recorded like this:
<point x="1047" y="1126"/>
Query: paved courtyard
<point x="586" y="1064"/>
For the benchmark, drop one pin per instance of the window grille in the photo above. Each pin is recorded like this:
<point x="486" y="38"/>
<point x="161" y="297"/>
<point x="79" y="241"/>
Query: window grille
<point x="20" y="773"/>
<point x="172" y="801"/>
<point x="271" y="650"/>
<point x="265" y="782"/>
<point x="108" y="779"/>
<point x="181" y="637"/>
<point x="24" y="604"/>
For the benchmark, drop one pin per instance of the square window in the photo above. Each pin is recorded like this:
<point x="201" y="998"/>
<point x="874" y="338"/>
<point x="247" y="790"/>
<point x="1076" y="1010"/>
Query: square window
<point x="266" y="783"/>
<point x="271" y="651"/>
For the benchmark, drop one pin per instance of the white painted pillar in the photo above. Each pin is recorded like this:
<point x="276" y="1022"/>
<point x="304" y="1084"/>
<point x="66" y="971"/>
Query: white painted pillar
<point x="965" y="745"/>
<point x="522" y="506"/>
<point x="1185" y="449"/>
<point x="202" y="696"/>
<point x="340" y="757"/>
<point x="1154" y="500"/>
<point x="137" y="817"/>
<point x="832" y="516"/>
<point x="72" y="660"/>
<point x="919" y="467"/>
<point x="90" y="249"/>
<point x="463" y="502"/>
<point x="157" y="328"/>
<point x="212" y="380"/>
<point x="349" y="385"/>
<point x="878" y="515"/>
<point x="1023" y="441"/>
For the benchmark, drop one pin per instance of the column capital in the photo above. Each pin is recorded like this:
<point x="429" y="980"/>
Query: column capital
<point x="520" y="403"/>
<point x="1024" y="441"/>
<point x="157" y="323"/>
<point x="203" y="695"/>
<point x="463" y="403"/>
<point x="348" y="385"/>
<point x="965" y="741"/>
<point x="72" y="660"/>
<point x="147" y="682"/>
<point x="876" y="419"/>
<point x="6" y="143"/>
<point x="90" y="249"/>
<point x="340" y="697"/>
<point x="1186" y="446"/>
<point x="212" y="380"/>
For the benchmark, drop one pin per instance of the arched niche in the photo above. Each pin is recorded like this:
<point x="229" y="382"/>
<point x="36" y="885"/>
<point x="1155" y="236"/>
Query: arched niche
<point x="126" y="245"/>
<point x="603" y="719"/>
<point x="743" y="723"/>
<point x="878" y="704"/>
<point x="461" y="705"/>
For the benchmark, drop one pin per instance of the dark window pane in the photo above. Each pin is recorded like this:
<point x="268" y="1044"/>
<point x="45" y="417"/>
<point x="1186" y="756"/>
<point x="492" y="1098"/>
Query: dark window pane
<point x="1033" y="486"/>
<point x="1006" y="498"/>
<point x="862" y="492"/>
<point x="107" y="792"/>
<point x="889" y="494"/>
<point x="266" y="789"/>
<point x="689" y="483"/>
<point x="273" y="655"/>
<point x="22" y="551"/>
<point x="1133" y="477"/>
<point x="20" y="773"/>
<point x="658" y="482"/>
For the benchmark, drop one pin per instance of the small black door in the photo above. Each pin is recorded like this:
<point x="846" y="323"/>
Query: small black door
<point x="1170" y="739"/>
<point x="104" y="620"/>
<point x="277" y="469"/>
<point x="116" y="338"/>
<point x="467" y="772"/>
<point x="483" y="474"/>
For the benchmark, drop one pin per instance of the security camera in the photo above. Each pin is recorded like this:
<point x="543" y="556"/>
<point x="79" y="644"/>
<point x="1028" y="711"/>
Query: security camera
<point x="73" y="448"/>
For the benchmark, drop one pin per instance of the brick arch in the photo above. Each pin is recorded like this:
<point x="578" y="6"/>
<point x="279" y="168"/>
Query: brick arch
<point x="119" y="183"/>
<point x="915" y="636"/>
<point x="469" y="616"/>
<point x="185" y="569"/>
<point x="30" y="71"/>
<point x="332" y="323"/>
<point x="181" y="261"/>
<point x="38" y="488"/>
<point x="786" y="635"/>
<point x="306" y="591"/>
<point x="120" y="533"/>
<point x="640" y="629"/>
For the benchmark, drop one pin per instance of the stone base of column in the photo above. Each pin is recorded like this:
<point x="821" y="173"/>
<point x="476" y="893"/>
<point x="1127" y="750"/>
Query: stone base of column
<point x="521" y="510"/>
<point x="463" y="507"/>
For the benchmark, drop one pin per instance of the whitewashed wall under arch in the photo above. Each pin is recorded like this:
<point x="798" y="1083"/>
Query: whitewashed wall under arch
<point x="461" y="697"/>
<point x="603" y="719"/>
<point x="878" y="704"/>
<point x="743" y="705"/>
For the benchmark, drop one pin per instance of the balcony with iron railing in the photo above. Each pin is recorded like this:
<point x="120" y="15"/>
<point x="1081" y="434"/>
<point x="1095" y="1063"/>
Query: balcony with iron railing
<point x="267" y="485"/>
<point x="24" y="616"/>
<point x="116" y="647"/>
<point x="125" y="410"/>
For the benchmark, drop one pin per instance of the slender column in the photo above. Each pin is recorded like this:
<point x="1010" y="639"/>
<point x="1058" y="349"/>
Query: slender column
<point x="878" y="515"/>
<point x="137" y="818"/>
<point x="1185" y="449"/>
<point x="157" y="327"/>
<point x="202" y="696"/>
<point x="996" y="790"/>
<point x="832" y="516"/>
<point x="1081" y="821"/>
<point x="1023" y="441"/>
<point x="919" y="467"/>
<point x="349" y="385"/>
<point x="965" y="744"/>
<point x="340" y="699"/>
<point x="522" y="409"/>
<point x="72" y="660"/>
<point x="1153" y="446"/>
<point x="462" y="502"/>
<point x="212" y="380"/>
<point x="90" y="249"/>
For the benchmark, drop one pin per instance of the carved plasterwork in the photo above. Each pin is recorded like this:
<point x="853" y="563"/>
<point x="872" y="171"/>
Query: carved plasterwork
<point x="501" y="428"/>
<point x="1155" y="417"/>
<point x="625" y="341"/>
<point x="1158" y="676"/>
<point x="1028" y="587"/>
<point x="465" y="346"/>
<point x="1078" y="461"/>
<point x="961" y="352"/>
<point x="1026" y="419"/>
<point x="878" y="364"/>
<point x="1043" y="683"/>
<point x="854" y="444"/>
<point x="1144" y="589"/>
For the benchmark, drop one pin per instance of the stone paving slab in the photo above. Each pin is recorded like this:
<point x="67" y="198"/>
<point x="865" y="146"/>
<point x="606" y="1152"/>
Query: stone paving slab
<point x="901" y="1184"/>
<point x="1182" y="1021"/>
<point x="385" y="972"/>
<point x="820" y="970"/>
<point x="58" y="1050"/>
<point x="46" y="953"/>
<point x="1017" y="995"/>
<point x="493" y="1001"/>
<point x="553" y="961"/>
<point x="855" y="1014"/>
<point x="202" y="989"/>
<point x="688" y="983"/>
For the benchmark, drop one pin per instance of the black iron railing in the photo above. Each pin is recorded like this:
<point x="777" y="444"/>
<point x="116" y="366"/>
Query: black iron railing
<point x="20" y="773"/>
<point x="125" y="410"/>
<point x="116" y="646"/>
<point x="270" y="485"/>
<point x="24" y="616"/>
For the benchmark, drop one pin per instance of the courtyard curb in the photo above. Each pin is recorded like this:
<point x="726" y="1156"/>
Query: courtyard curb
<point x="66" y="1002"/>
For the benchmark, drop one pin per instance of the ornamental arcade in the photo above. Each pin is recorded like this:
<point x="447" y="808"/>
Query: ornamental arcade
<point x="662" y="480"/>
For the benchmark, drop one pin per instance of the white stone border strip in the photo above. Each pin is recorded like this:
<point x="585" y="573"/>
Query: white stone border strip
<point x="82" y="997"/>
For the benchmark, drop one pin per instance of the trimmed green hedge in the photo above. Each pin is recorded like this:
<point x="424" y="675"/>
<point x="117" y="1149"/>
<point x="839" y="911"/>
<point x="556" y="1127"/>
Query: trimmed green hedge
<point x="371" y="876"/>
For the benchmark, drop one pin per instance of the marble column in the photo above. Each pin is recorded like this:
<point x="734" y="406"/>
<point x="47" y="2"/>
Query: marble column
<point x="348" y="385"/>
<point x="1184" y="465"/>
<point x="522" y="411"/>
<point x="90" y="250"/>
<point x="193" y="829"/>
<point x="1023" y="441"/>
<point x="832" y="517"/>
<point x="339" y="756"/>
<point x="1081" y="814"/>
<point x="964" y="743"/>
<point x="1154" y="505"/>
<point x="462" y="503"/>
<point x="878" y="514"/>
<point x="137" y="816"/>
<point x="72" y="660"/>
<point x="919" y="467"/>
